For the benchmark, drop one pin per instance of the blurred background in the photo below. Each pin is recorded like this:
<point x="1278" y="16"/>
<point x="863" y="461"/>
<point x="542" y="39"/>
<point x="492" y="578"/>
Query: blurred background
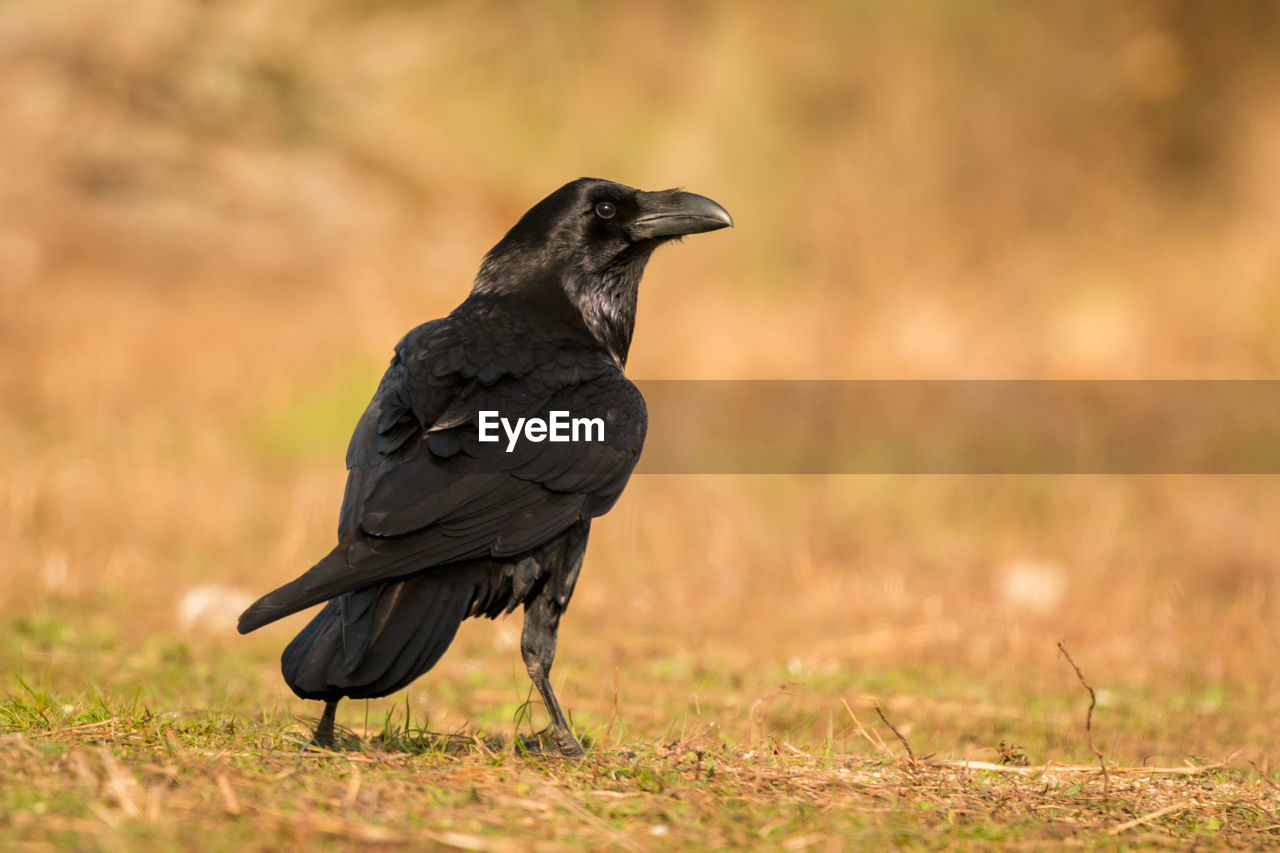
<point x="217" y="218"/>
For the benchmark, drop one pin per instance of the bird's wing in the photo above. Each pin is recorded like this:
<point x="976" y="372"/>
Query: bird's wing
<point x="423" y="490"/>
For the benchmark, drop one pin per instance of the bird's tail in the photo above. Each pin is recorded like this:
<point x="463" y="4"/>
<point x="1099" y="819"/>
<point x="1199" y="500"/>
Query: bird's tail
<point x="376" y="640"/>
<point x="326" y="579"/>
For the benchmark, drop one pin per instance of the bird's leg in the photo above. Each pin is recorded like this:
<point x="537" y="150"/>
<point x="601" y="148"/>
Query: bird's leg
<point x="538" y="646"/>
<point x="323" y="736"/>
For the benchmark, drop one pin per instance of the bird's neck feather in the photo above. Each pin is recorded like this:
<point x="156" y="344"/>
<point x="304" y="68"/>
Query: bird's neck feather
<point x="602" y="301"/>
<point x="607" y="302"/>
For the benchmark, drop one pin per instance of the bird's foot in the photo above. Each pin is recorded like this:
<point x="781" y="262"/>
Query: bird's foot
<point x="322" y="738"/>
<point x="566" y="744"/>
<point x="551" y="741"/>
<point x="318" y="742"/>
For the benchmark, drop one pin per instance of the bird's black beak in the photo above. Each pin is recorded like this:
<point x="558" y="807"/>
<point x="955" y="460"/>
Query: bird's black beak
<point x="673" y="214"/>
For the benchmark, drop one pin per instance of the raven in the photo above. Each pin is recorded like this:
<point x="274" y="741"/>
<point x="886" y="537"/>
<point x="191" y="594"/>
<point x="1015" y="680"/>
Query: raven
<point x="439" y="522"/>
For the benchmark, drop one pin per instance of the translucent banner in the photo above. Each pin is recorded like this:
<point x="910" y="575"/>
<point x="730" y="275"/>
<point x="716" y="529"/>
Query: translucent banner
<point x="961" y="427"/>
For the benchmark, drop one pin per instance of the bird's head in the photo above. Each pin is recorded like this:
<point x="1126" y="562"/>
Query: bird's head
<point x="590" y="241"/>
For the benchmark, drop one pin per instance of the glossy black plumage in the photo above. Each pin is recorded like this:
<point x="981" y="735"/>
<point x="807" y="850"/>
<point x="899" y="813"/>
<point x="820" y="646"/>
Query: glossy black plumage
<point x="437" y="525"/>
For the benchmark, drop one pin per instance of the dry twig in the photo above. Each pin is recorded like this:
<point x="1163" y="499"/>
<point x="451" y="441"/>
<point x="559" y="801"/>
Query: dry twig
<point x="911" y="756"/>
<point x="1263" y="776"/>
<point x="874" y="741"/>
<point x="1030" y="770"/>
<point x="608" y="733"/>
<point x="1147" y="818"/>
<point x="1088" y="719"/>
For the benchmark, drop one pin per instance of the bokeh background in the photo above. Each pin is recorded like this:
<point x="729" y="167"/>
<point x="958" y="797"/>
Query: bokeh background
<point x="216" y="219"/>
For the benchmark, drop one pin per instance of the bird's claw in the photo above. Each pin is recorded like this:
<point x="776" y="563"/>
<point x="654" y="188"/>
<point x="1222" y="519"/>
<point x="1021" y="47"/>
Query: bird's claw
<point x="554" y="742"/>
<point x="567" y="745"/>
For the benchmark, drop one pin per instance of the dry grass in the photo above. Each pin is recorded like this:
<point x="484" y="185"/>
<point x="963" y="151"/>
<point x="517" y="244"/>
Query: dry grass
<point x="216" y="220"/>
<point x="171" y="779"/>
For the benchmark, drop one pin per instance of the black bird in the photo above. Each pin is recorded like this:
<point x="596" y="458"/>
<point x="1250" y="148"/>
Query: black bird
<point x="438" y="525"/>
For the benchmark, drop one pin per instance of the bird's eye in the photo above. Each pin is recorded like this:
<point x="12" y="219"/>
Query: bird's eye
<point x="605" y="210"/>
